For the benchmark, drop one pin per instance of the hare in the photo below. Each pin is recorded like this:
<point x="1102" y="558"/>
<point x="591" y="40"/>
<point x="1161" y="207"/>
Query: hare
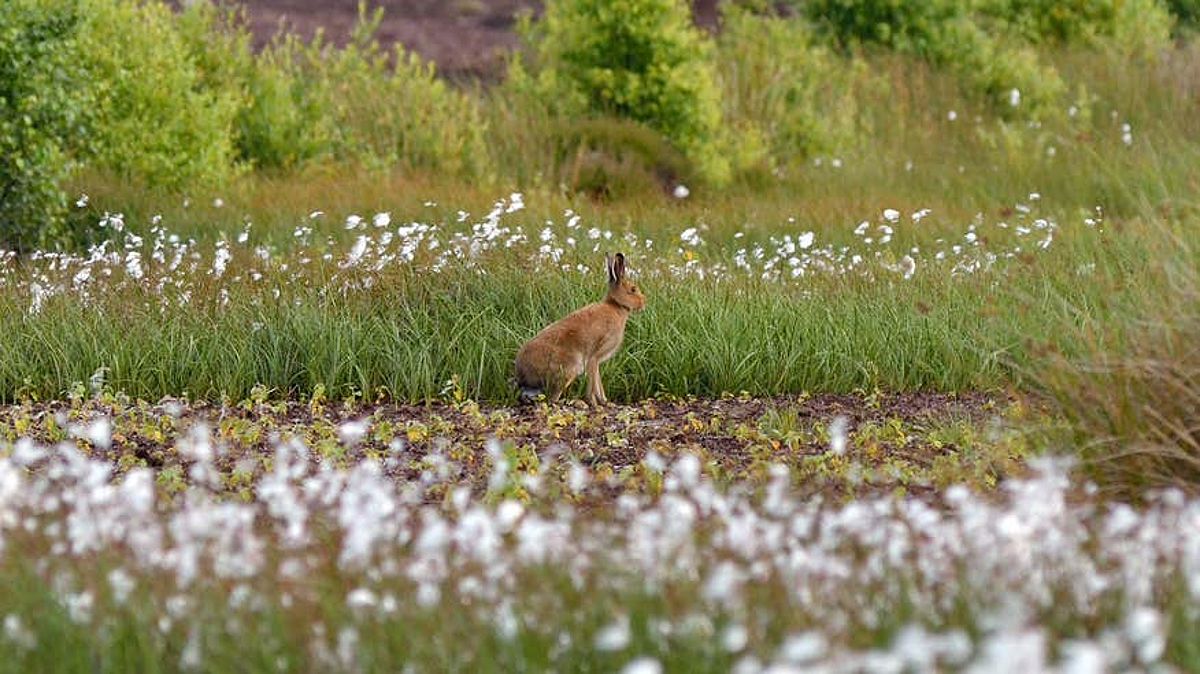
<point x="562" y="351"/>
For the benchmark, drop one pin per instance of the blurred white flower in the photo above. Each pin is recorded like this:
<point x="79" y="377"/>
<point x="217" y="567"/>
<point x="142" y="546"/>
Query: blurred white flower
<point x="837" y="434"/>
<point x="803" y="647"/>
<point x="16" y="632"/>
<point x="352" y="432"/>
<point x="643" y="666"/>
<point x="734" y="638"/>
<point x="614" y="636"/>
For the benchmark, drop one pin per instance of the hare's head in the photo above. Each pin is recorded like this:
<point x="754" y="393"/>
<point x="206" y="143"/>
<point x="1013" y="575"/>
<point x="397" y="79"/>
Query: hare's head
<point x="620" y="289"/>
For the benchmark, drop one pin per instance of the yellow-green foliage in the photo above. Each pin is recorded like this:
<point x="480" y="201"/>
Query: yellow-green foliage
<point x="393" y="114"/>
<point x="950" y="34"/>
<point x="785" y="95"/>
<point x="610" y="158"/>
<point x="41" y="105"/>
<point x="156" y="120"/>
<point x="279" y="124"/>
<point x="357" y="104"/>
<point x="1006" y="73"/>
<point x="637" y="59"/>
<point x="1129" y="25"/>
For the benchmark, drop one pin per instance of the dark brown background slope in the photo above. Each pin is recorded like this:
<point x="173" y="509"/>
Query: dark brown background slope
<point x="466" y="38"/>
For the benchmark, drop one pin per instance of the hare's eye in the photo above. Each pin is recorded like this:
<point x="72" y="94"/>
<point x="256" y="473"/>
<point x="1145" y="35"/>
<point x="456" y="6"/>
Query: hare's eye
<point x="633" y="289"/>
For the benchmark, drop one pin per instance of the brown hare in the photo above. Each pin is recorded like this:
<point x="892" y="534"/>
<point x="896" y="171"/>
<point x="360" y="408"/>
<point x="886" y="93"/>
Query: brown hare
<point x="551" y="361"/>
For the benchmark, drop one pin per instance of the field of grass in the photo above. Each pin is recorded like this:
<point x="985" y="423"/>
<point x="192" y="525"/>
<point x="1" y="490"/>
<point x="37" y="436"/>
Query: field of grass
<point x="904" y="405"/>
<point x="897" y="243"/>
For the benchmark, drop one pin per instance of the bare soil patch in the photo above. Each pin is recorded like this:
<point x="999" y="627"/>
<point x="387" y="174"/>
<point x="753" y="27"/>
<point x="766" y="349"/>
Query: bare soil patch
<point x="467" y="39"/>
<point x="913" y="443"/>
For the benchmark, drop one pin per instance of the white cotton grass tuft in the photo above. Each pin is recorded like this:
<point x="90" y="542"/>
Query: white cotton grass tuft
<point x="643" y="665"/>
<point x="352" y="432"/>
<point x="837" y="434"/>
<point x="613" y="637"/>
<point x="453" y="546"/>
<point x="99" y="433"/>
<point x="803" y="648"/>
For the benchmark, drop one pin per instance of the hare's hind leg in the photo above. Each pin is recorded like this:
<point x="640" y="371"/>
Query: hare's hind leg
<point x="559" y="382"/>
<point x="595" y="385"/>
<point x="600" y="387"/>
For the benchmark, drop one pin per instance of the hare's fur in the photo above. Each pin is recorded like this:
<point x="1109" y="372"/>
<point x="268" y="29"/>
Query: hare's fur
<point x="579" y="343"/>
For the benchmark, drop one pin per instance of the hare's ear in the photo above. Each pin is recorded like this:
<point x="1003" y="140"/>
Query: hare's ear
<point x="610" y="265"/>
<point x="618" y="268"/>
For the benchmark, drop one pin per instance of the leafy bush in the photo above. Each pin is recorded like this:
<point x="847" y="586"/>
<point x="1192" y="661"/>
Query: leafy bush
<point x="1131" y="25"/>
<point x="608" y="158"/>
<point x="1187" y="13"/>
<point x="42" y="103"/>
<point x="782" y="89"/>
<point x="949" y="34"/>
<point x="276" y="126"/>
<point x="284" y="124"/>
<point x="1008" y="75"/>
<point x="641" y="60"/>
<point x="157" y="120"/>
<point x="397" y="113"/>
<point x="306" y="101"/>
<point x="913" y="26"/>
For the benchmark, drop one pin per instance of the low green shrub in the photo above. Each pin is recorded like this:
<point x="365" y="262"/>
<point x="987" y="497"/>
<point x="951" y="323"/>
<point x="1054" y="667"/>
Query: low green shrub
<point x="787" y="96"/>
<point x="1129" y="25"/>
<point x="279" y="125"/>
<point x="949" y="34"/>
<point x="393" y="110"/>
<point x="285" y="124"/>
<point x="1187" y="14"/>
<point x="608" y="158"/>
<point x="157" y="120"/>
<point x="641" y="60"/>
<point x="42" y="106"/>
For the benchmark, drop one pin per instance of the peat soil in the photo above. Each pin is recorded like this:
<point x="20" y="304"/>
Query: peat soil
<point x="467" y="39"/>
<point x="914" y="443"/>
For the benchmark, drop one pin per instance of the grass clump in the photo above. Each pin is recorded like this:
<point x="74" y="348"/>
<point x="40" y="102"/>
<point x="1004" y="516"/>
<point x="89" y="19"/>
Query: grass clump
<point x="1134" y="396"/>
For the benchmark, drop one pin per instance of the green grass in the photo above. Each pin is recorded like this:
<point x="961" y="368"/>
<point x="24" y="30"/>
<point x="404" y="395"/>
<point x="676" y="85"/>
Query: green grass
<point x="412" y="331"/>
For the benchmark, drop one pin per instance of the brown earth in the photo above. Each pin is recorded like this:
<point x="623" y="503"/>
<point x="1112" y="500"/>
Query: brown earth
<point x="913" y="442"/>
<point x="466" y="38"/>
